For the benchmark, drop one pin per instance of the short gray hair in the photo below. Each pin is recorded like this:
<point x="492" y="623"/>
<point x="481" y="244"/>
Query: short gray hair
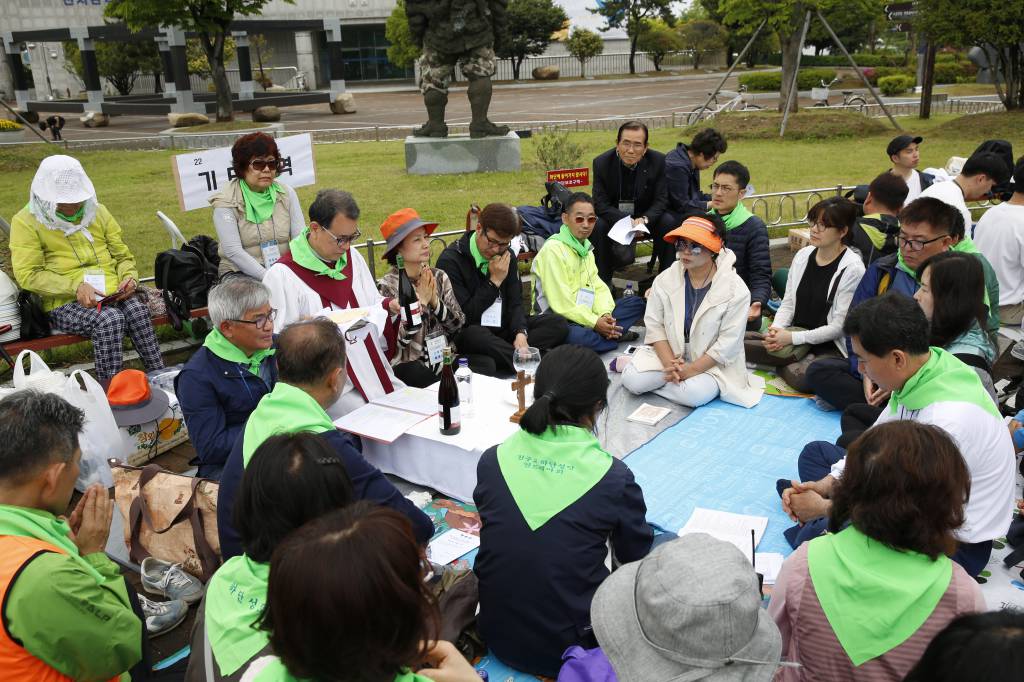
<point x="36" y="429"/>
<point x="234" y="297"/>
<point x="331" y="202"/>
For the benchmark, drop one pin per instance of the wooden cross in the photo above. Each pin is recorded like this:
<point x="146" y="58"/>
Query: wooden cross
<point x="519" y="386"/>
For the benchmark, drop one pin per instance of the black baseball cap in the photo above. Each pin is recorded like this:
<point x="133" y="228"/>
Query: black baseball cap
<point x="901" y="142"/>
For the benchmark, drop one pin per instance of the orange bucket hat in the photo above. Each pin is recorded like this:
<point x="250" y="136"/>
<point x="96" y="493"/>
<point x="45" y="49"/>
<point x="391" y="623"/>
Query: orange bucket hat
<point x="699" y="230"/>
<point x="132" y="400"/>
<point x="399" y="225"/>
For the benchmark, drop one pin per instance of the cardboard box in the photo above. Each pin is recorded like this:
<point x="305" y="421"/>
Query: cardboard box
<point x="799" y="237"/>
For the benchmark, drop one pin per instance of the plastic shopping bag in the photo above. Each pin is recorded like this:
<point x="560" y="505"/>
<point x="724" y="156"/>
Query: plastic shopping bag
<point x="39" y="376"/>
<point x="100" y="439"/>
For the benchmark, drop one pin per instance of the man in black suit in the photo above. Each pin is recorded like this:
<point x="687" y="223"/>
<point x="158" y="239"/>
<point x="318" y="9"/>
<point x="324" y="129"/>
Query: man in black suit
<point x="629" y="180"/>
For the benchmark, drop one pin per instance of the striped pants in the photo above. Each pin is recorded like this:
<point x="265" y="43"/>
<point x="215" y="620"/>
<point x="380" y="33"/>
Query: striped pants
<point x="107" y="328"/>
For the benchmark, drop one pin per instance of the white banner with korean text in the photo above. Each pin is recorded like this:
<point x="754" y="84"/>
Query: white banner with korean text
<point x="200" y="175"/>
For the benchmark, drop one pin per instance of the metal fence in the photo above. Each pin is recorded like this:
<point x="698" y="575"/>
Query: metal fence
<point x="610" y="64"/>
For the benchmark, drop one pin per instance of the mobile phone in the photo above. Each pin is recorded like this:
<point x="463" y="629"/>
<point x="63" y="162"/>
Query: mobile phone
<point x="631" y="349"/>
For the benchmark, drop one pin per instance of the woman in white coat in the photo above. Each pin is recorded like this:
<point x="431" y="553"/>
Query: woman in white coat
<point x="695" y="320"/>
<point x="819" y="290"/>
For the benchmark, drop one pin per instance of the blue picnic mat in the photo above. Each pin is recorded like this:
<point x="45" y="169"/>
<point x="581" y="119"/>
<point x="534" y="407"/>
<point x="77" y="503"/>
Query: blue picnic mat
<point x="728" y="458"/>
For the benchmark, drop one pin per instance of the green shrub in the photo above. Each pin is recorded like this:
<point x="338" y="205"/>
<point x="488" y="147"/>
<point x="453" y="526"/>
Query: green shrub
<point x="771" y="82"/>
<point x="862" y="59"/>
<point x="952" y="71"/>
<point x="895" y="85"/>
<point x="874" y="73"/>
<point x="555" y="150"/>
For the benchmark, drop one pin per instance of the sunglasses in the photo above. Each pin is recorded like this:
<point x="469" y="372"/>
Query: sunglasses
<point x="585" y="220"/>
<point x="688" y="246"/>
<point x="263" y="164"/>
<point x="260" y="320"/>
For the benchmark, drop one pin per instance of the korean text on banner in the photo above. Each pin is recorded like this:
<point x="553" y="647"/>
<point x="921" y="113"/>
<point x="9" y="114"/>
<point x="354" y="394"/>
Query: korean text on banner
<point x="570" y="177"/>
<point x="199" y="175"/>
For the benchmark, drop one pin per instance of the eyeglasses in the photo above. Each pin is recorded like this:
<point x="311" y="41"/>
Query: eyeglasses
<point x="715" y="187"/>
<point x="496" y="243"/>
<point x="585" y="219"/>
<point x="343" y="239"/>
<point x="818" y="227"/>
<point x="260" y="320"/>
<point x="917" y="244"/>
<point x="687" y="245"/>
<point x="626" y="144"/>
<point x="263" y="164"/>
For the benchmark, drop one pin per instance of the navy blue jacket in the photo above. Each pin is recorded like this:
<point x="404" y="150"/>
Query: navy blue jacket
<point x="216" y="398"/>
<point x="881" y="276"/>
<point x="683" y="182"/>
<point x="536" y="586"/>
<point x="749" y="242"/>
<point x="368" y="483"/>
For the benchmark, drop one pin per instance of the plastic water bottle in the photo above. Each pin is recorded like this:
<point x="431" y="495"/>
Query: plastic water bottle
<point x="464" y="380"/>
<point x="629" y="290"/>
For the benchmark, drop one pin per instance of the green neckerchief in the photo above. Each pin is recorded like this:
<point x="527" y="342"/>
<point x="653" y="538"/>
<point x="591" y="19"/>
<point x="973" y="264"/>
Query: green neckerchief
<point x="565" y="235"/>
<point x="965" y="245"/>
<point x="902" y="265"/>
<point x="235" y="599"/>
<point x="942" y="379"/>
<point x="739" y="215"/>
<point x="42" y="525"/>
<point x="407" y="675"/>
<point x="873" y="596"/>
<point x="259" y="206"/>
<point x="482" y="263"/>
<point x="286" y="409"/>
<point x="219" y="345"/>
<point x="75" y="217"/>
<point x="547" y="473"/>
<point x="304" y="255"/>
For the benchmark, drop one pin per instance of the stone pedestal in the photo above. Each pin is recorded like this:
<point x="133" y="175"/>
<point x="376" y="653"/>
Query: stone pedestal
<point x="461" y="154"/>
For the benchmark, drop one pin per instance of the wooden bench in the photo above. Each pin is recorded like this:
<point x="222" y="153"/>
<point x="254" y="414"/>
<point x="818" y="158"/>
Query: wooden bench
<point x="12" y="348"/>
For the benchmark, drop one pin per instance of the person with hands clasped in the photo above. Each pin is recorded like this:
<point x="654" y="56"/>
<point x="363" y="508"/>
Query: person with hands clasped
<point x="695" y="323"/>
<point x="419" y="355"/>
<point x="67" y="247"/>
<point x="568" y="283"/>
<point x="51" y="568"/>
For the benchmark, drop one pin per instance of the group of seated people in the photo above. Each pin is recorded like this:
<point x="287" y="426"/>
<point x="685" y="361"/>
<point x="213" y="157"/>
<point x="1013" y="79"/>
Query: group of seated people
<point x="325" y="573"/>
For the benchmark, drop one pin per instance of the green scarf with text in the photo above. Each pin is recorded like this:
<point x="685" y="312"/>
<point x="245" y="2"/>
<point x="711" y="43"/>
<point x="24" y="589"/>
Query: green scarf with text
<point x="286" y="409"/>
<point x="304" y="255"/>
<point x="547" y="473"/>
<point x="565" y="235"/>
<point x="873" y="596"/>
<point x="219" y="345"/>
<point x="942" y="379"/>
<point x="235" y="599"/>
<point x="259" y="206"/>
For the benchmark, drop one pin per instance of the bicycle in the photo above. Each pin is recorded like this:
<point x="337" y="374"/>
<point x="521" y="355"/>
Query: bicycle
<point x="821" y="95"/>
<point x="709" y="110"/>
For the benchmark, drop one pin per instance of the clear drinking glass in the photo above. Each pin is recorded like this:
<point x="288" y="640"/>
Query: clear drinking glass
<point x="526" y="360"/>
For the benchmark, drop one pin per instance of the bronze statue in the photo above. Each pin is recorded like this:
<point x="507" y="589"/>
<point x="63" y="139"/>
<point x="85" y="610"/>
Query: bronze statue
<point x="463" y="33"/>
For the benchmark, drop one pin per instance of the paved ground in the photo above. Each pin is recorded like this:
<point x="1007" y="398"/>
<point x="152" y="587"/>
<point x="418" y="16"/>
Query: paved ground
<point x="403" y="105"/>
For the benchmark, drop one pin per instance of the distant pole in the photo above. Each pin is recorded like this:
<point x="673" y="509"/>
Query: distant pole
<point x="732" y="68"/>
<point x="796" y="75"/>
<point x="928" y="81"/>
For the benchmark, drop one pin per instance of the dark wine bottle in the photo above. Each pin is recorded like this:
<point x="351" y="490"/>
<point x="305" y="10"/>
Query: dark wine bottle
<point x="407" y="299"/>
<point x="448" y="398"/>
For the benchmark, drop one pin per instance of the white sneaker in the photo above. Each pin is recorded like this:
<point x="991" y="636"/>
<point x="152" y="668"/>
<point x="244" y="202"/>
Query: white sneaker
<point x="169" y="580"/>
<point x="162" y="616"/>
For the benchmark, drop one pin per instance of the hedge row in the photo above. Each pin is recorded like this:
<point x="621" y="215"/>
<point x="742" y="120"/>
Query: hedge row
<point x="895" y="85"/>
<point x="771" y="82"/>
<point x="862" y="59"/>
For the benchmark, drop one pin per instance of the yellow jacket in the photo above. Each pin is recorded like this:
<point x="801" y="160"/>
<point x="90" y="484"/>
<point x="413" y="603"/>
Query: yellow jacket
<point x="561" y="271"/>
<point x="52" y="265"/>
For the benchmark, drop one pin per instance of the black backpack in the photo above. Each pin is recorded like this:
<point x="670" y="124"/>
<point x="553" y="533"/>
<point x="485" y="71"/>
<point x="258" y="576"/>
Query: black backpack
<point x="186" y="275"/>
<point x="34" y="322"/>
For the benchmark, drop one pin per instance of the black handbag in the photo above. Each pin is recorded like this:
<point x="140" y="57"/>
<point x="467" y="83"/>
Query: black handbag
<point x="185" y="275"/>
<point x="35" y="324"/>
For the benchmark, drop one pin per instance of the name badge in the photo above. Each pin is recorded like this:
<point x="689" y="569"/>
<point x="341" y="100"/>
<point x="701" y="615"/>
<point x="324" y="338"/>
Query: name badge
<point x="97" y="280"/>
<point x="435" y="348"/>
<point x="271" y="252"/>
<point x="585" y="297"/>
<point x="492" y="316"/>
<point x="626" y="207"/>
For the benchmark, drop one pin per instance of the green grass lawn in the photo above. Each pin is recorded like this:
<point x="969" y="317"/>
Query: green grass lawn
<point x="831" y="150"/>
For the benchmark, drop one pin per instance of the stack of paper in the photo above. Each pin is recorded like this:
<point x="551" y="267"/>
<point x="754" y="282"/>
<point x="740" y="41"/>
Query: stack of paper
<point x="624" y="231"/>
<point x="738" y="529"/>
<point x="451" y="545"/>
<point x="379" y="423"/>
<point x="648" y="414"/>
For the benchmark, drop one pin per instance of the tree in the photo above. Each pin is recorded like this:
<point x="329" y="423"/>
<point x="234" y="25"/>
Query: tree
<point x="531" y="24"/>
<point x="261" y="49"/>
<point x="402" y="50"/>
<point x="786" y="19"/>
<point x="120" y="64"/>
<point x="195" y="57"/>
<point x="632" y="15"/>
<point x="997" y="27"/>
<point x="856" y="26"/>
<point x="702" y="37"/>
<point x="658" y="40"/>
<point x="209" y="19"/>
<point x="737" y="34"/>
<point x="583" y="45"/>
